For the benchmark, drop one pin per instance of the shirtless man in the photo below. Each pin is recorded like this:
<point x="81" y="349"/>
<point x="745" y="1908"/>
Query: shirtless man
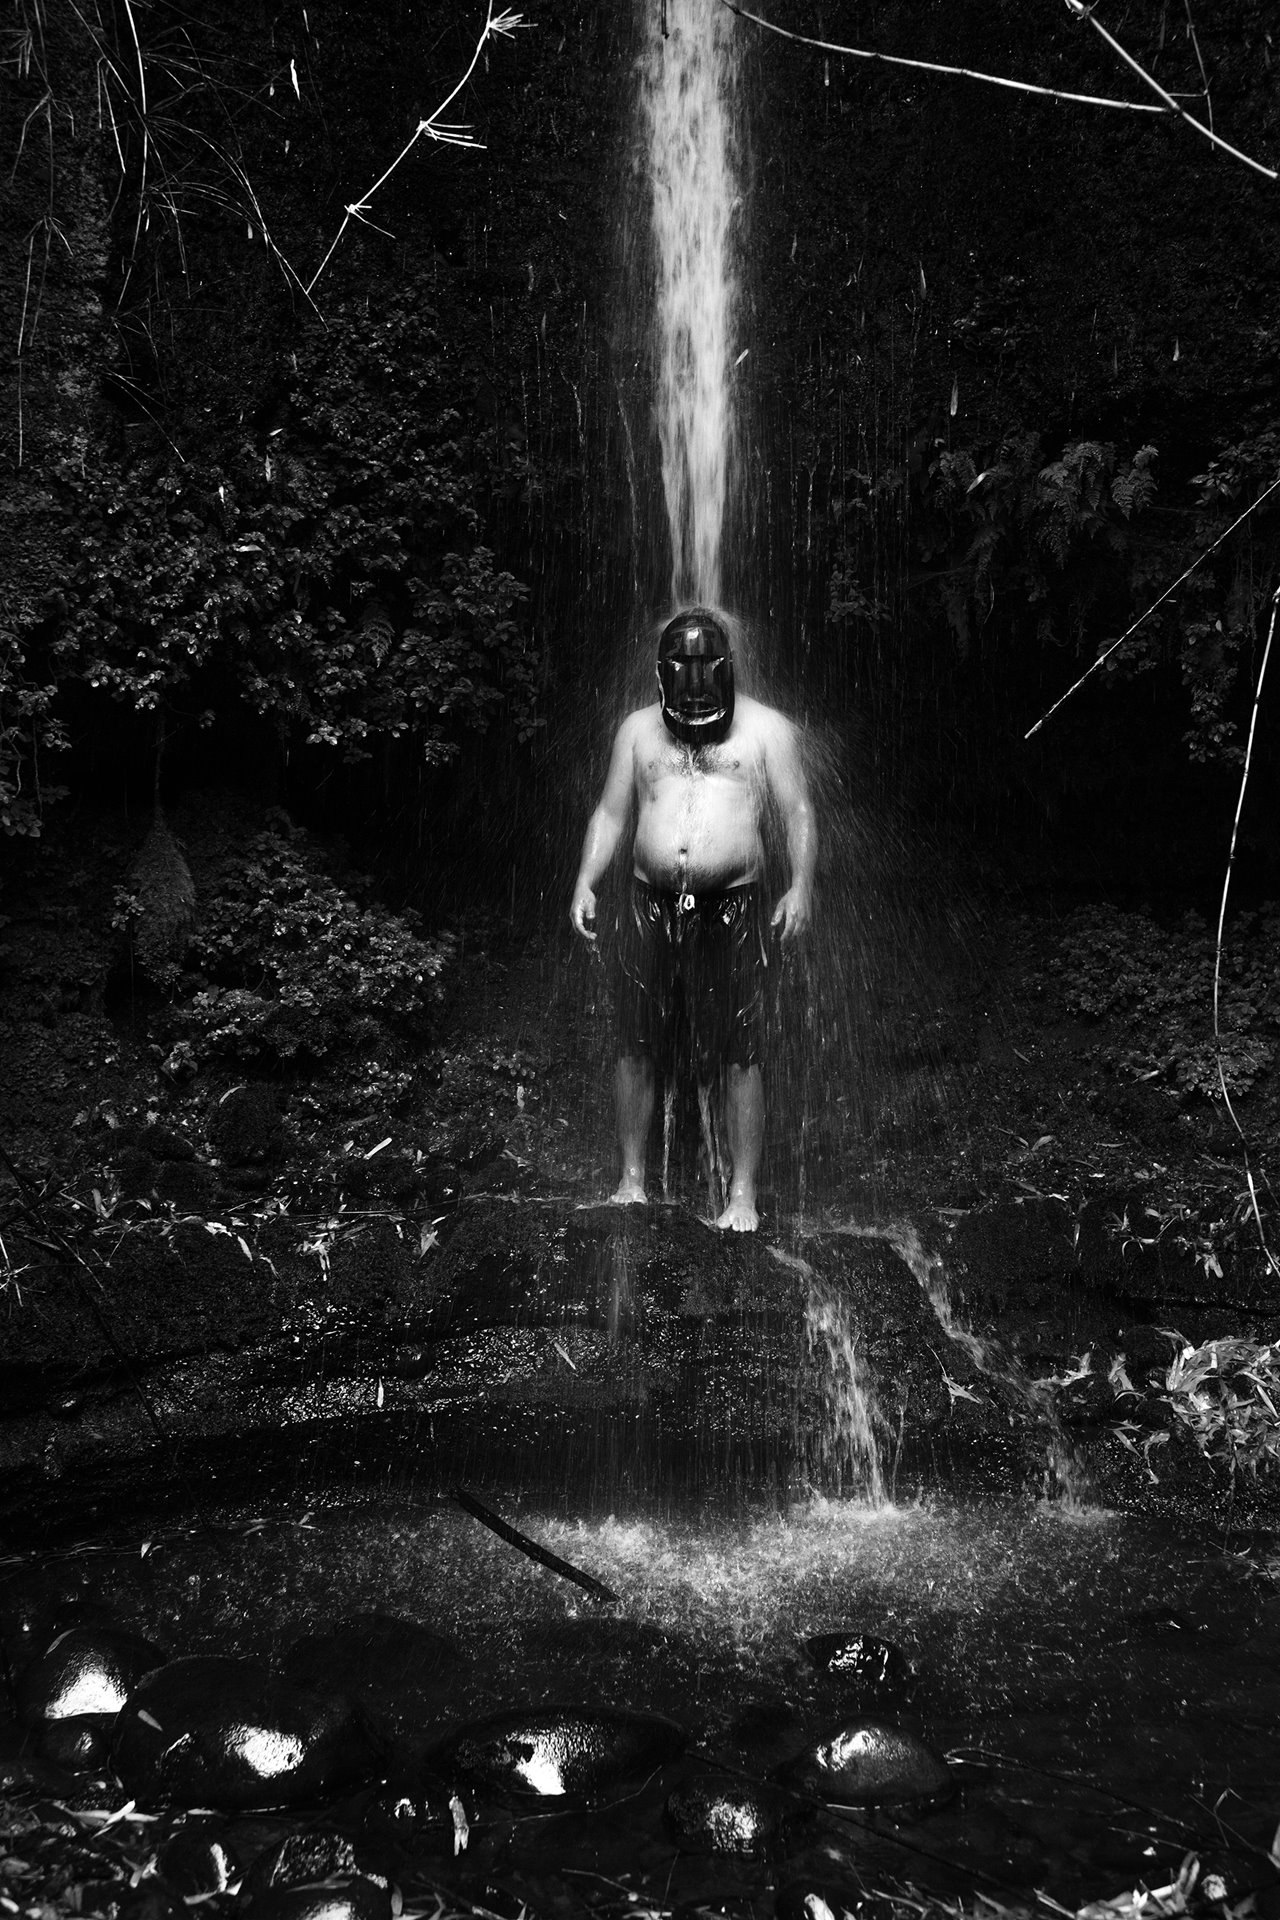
<point x="698" y="767"/>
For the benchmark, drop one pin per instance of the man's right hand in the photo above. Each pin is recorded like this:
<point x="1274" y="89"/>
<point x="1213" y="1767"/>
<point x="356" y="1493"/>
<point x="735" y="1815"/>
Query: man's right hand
<point x="582" y="913"/>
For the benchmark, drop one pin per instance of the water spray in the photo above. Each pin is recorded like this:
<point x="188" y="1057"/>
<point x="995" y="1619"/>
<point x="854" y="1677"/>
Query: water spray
<point x="687" y="94"/>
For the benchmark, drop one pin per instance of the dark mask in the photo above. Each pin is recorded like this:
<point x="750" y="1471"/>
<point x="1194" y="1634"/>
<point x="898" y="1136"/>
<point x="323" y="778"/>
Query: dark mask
<point x="695" y="676"/>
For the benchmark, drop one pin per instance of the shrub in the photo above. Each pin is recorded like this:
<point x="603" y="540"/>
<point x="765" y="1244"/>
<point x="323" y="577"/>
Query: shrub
<point x="1158" y="986"/>
<point x="285" y="965"/>
<point x="329" y="571"/>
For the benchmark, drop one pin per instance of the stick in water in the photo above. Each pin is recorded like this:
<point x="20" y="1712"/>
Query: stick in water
<point x="513" y="1537"/>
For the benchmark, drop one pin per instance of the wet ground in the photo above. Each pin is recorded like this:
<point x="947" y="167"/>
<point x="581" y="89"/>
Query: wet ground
<point x="687" y="1417"/>
<point x="1104" y="1689"/>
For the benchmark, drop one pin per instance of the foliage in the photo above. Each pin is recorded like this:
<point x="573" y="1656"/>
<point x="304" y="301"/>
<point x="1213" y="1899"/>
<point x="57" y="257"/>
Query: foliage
<point x="1006" y="527"/>
<point x="1158" y="985"/>
<point x="26" y="729"/>
<point x="330" y="569"/>
<point x="1017" y="525"/>
<point x="284" y="964"/>
<point x="1225" y="602"/>
<point x="1226" y="1394"/>
<point x="1028" y="552"/>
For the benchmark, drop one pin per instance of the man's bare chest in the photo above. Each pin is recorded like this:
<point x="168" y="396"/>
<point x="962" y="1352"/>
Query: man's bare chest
<point x="666" y="771"/>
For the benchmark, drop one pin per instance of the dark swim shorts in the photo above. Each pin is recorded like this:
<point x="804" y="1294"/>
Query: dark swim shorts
<point x="692" y="968"/>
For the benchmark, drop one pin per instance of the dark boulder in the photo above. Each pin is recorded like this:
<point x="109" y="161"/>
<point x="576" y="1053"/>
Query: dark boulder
<point x="80" y="1742"/>
<point x="872" y="1669"/>
<point x="86" y="1670"/>
<point x="302" y="1859"/>
<point x="218" y="1732"/>
<point x="719" y="1815"/>
<point x="557" y="1752"/>
<point x="869" y="1764"/>
<point x="198" y="1860"/>
<point x="344" y="1897"/>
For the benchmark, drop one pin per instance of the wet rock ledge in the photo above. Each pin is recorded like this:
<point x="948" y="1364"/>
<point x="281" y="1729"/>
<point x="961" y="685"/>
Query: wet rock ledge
<point x="638" y="1343"/>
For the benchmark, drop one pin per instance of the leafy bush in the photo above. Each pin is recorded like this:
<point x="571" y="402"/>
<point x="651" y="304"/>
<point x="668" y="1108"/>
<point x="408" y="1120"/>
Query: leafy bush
<point x="1226" y="1394"/>
<point x="1158" y="984"/>
<point x="1009" y="522"/>
<point x="1226" y="601"/>
<point x="286" y="965"/>
<point x="330" y="570"/>
<point x="26" y="729"/>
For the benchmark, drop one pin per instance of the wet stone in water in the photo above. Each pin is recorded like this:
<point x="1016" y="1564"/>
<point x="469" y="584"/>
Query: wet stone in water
<point x="198" y="1860"/>
<point x="85" y="1670"/>
<point x="730" y="1816"/>
<point x="80" y="1742"/>
<point x="875" y="1669"/>
<point x="557" y="1753"/>
<point x="353" y="1897"/>
<point x="301" y="1860"/>
<point x="217" y="1732"/>
<point x="869" y="1764"/>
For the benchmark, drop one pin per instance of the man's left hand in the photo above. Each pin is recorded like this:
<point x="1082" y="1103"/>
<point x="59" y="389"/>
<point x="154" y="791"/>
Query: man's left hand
<point x="791" y="915"/>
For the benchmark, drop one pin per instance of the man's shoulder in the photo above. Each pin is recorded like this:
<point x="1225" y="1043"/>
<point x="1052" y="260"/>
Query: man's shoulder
<point x="766" y="722"/>
<point x="641" y="723"/>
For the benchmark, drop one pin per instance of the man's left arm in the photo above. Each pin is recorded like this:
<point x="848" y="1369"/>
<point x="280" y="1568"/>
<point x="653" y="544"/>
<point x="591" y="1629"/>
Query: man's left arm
<point x="791" y="793"/>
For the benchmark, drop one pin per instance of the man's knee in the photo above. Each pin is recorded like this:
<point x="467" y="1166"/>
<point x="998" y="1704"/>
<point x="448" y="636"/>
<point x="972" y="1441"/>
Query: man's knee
<point x="743" y="1077"/>
<point x="634" y="1076"/>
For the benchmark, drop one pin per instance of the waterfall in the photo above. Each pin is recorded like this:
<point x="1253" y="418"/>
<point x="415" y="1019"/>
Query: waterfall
<point x="687" y="95"/>
<point x="848" y="1444"/>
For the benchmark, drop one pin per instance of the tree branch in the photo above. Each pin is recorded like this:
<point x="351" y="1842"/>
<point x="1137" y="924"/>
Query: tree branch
<point x="1159" y="601"/>
<point x="435" y="127"/>
<point x="1083" y="12"/>
<point x="960" y="73"/>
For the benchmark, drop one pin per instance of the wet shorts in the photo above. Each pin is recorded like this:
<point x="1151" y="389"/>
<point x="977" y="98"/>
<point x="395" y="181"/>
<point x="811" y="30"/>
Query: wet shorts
<point x="691" y="971"/>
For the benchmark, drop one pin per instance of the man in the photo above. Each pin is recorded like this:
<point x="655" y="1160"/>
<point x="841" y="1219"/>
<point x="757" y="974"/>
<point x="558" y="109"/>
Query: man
<point x="698" y="768"/>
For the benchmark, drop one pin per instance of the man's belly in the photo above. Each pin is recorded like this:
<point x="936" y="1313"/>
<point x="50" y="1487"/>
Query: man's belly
<point x="696" y="852"/>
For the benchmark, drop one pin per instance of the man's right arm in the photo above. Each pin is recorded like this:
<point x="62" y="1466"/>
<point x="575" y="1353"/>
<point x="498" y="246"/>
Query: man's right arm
<point x="604" y="830"/>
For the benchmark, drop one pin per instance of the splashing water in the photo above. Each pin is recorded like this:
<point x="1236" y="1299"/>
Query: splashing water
<point x="1066" y="1477"/>
<point x="687" y="89"/>
<point x="847" y="1443"/>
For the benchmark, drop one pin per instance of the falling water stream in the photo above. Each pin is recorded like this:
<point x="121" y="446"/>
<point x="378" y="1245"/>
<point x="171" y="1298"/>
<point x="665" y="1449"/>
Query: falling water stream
<point x="687" y="97"/>
<point x="688" y="88"/>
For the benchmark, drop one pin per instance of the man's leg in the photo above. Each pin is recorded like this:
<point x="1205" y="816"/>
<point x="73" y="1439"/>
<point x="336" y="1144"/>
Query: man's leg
<point x="744" y="1124"/>
<point x="633" y="1099"/>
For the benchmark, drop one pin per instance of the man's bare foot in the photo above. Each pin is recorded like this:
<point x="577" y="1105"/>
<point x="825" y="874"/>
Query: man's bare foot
<point x="740" y="1215"/>
<point x="629" y="1192"/>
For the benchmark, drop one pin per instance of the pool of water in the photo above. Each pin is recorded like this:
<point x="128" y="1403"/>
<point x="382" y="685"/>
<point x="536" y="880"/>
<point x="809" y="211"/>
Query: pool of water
<point x="1107" y="1690"/>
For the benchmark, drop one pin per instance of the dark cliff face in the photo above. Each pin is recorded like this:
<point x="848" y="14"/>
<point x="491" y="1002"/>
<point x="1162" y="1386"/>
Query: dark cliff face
<point x="968" y="318"/>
